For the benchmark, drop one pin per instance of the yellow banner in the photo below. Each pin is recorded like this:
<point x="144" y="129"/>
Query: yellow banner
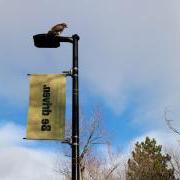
<point x="46" y="107"/>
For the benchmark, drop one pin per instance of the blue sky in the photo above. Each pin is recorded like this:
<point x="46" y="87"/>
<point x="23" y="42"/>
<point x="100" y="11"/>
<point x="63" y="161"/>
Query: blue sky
<point x="129" y="63"/>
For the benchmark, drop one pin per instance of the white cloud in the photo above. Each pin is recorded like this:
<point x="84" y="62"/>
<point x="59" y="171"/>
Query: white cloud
<point x="10" y="135"/>
<point x="22" y="163"/>
<point x="18" y="162"/>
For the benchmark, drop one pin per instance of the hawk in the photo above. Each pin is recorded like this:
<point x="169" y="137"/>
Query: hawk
<point x="57" y="29"/>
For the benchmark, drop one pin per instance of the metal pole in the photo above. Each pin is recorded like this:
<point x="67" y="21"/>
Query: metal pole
<point x="47" y="41"/>
<point x="75" y="111"/>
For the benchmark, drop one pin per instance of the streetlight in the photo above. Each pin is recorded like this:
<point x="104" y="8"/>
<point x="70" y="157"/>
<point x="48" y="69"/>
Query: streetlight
<point x="52" y="41"/>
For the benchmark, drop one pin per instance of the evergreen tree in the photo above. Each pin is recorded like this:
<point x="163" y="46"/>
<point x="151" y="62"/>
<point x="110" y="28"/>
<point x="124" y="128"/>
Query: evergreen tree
<point x="148" y="162"/>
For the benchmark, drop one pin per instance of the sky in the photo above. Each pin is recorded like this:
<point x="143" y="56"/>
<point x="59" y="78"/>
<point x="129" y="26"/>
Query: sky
<point x="129" y="66"/>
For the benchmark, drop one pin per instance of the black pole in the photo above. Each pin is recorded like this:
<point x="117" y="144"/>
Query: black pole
<point x="49" y="41"/>
<point x="75" y="111"/>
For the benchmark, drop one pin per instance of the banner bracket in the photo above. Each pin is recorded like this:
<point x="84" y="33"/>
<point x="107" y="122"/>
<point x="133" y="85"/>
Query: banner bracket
<point x="68" y="73"/>
<point x="67" y="141"/>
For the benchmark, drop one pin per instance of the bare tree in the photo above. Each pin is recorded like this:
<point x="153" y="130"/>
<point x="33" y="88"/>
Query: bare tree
<point x="108" y="167"/>
<point x="175" y="160"/>
<point x="169" y="122"/>
<point x="91" y="135"/>
<point x="93" y="165"/>
<point x="175" y="154"/>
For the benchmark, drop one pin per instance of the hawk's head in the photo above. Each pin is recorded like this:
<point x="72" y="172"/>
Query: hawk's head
<point x="65" y="25"/>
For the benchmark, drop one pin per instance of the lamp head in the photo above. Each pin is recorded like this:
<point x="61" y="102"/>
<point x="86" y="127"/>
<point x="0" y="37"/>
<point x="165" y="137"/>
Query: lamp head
<point x="46" y="41"/>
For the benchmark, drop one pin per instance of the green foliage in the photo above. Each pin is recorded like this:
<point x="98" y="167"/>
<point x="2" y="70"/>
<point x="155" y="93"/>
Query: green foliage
<point x="148" y="162"/>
